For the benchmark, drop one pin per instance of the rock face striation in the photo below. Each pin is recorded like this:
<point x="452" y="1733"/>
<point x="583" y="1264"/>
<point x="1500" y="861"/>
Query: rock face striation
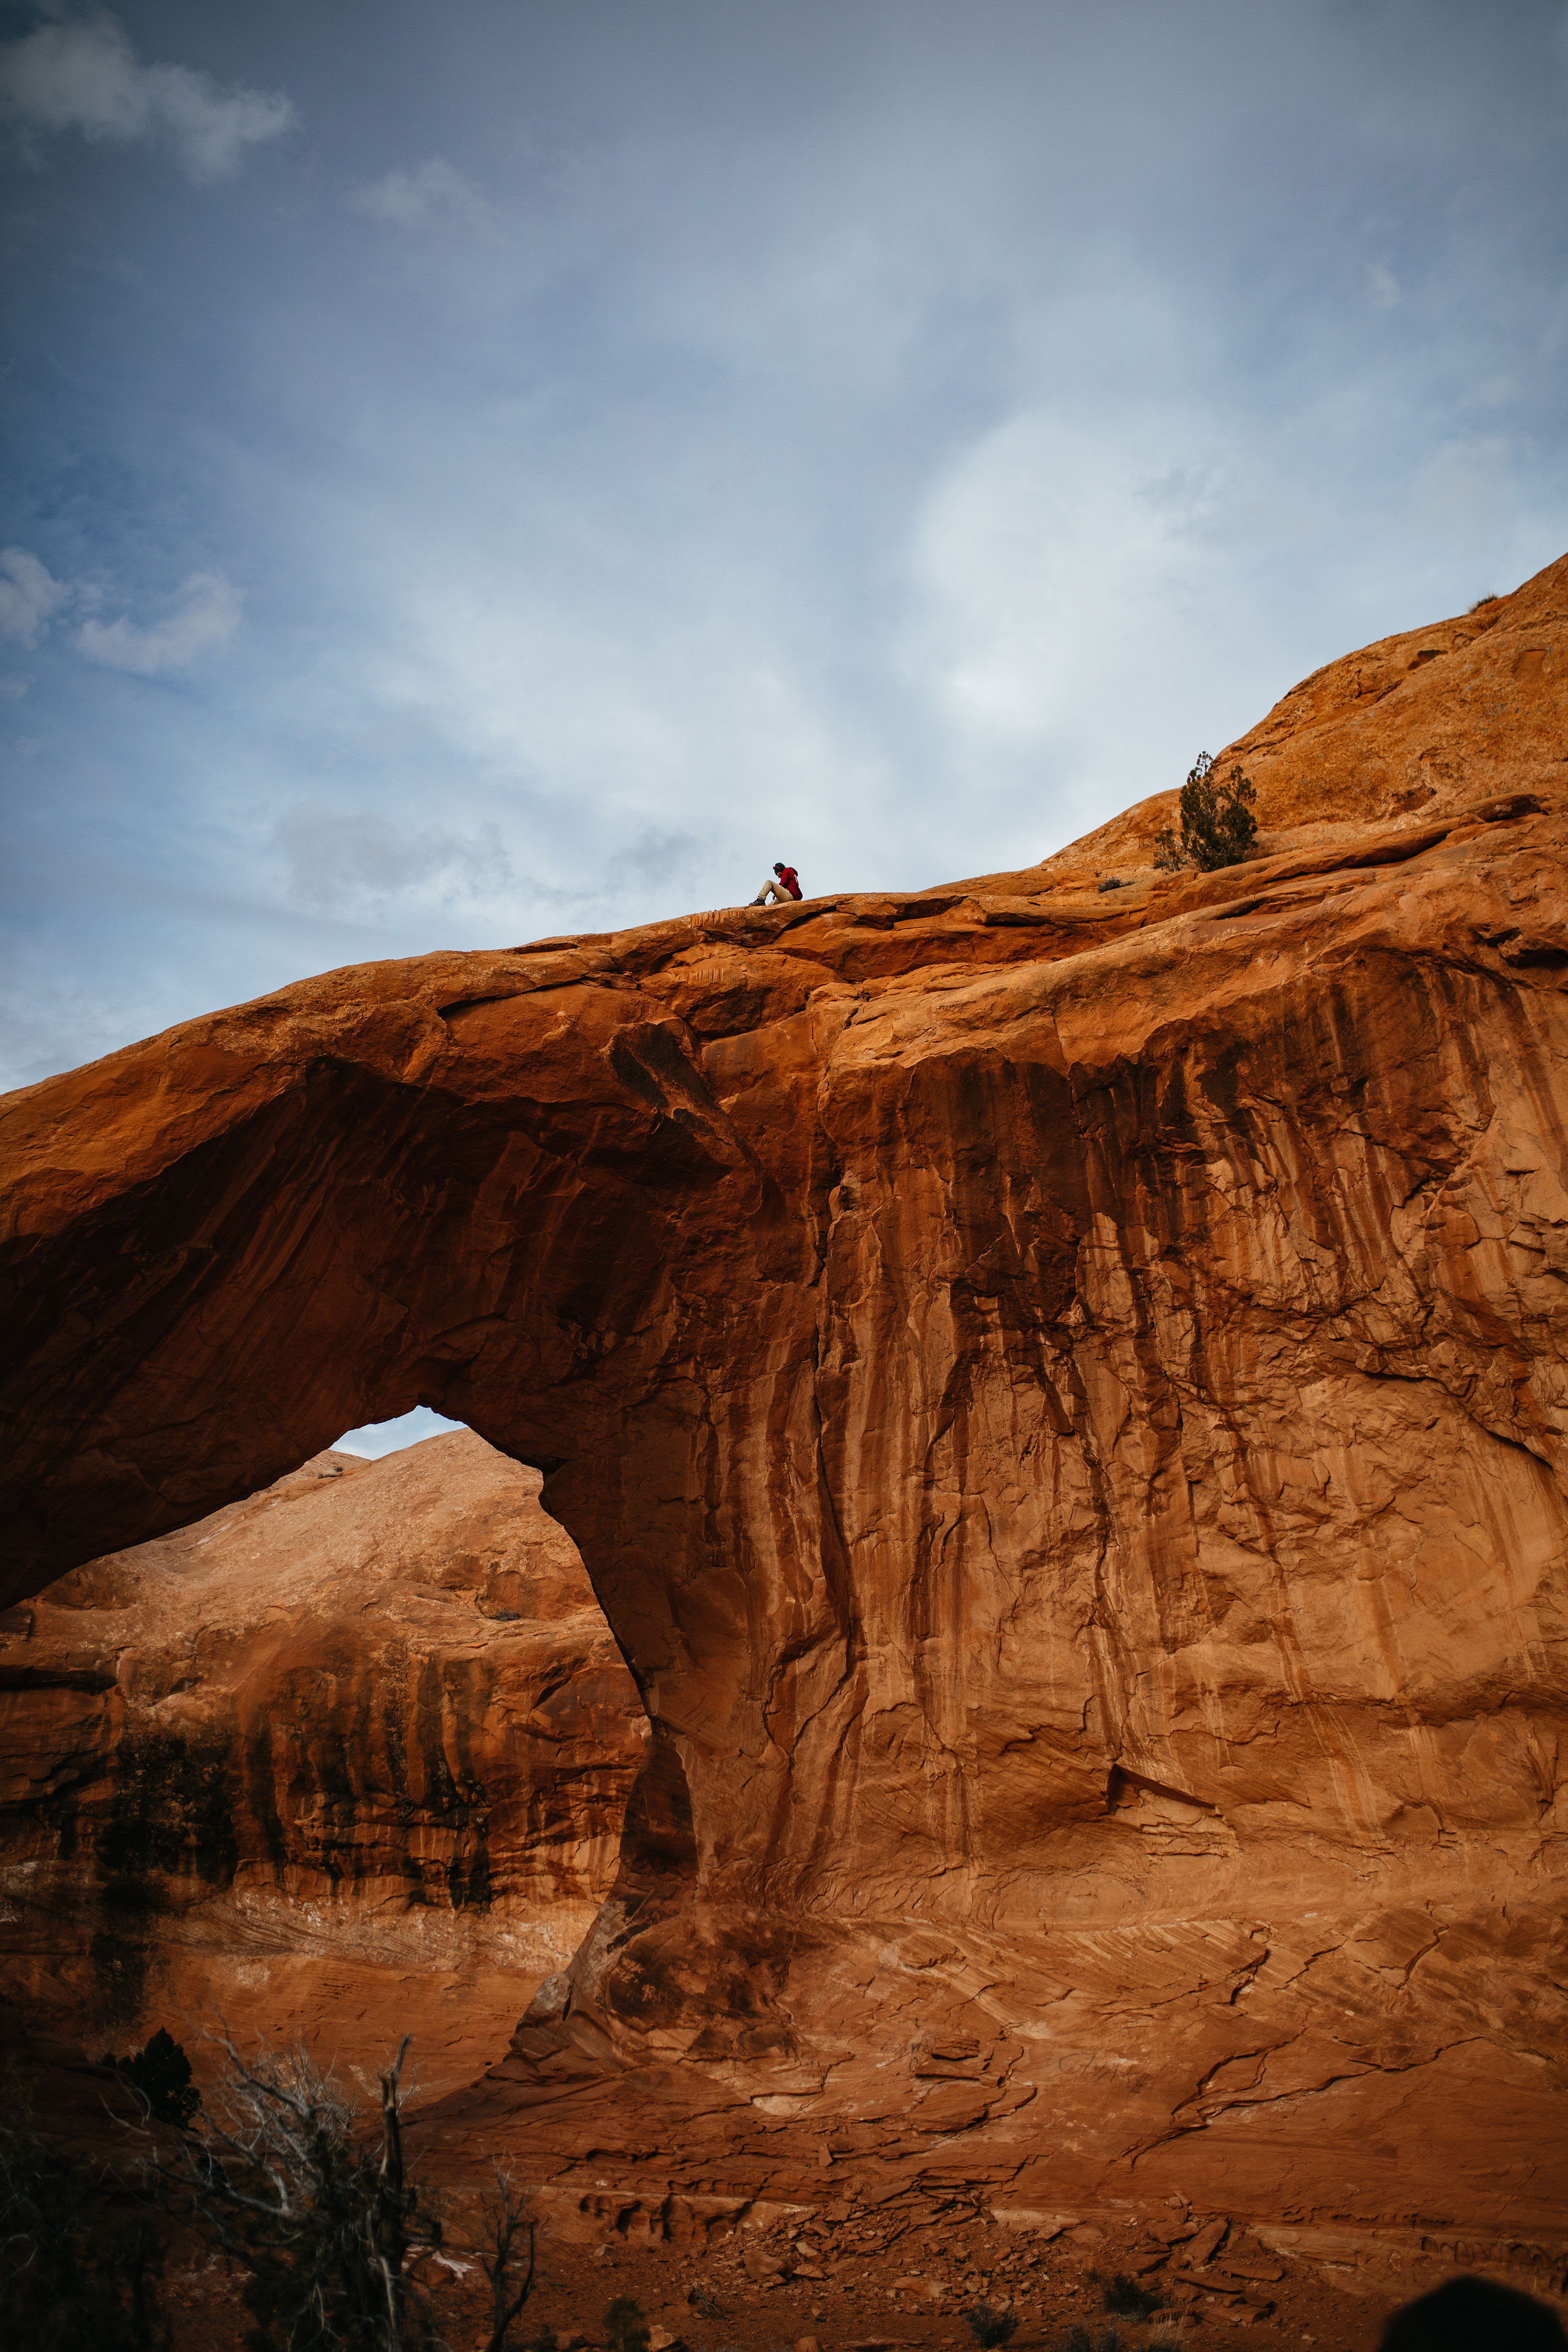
<point x="348" y="1757"/>
<point x="1063" y="1397"/>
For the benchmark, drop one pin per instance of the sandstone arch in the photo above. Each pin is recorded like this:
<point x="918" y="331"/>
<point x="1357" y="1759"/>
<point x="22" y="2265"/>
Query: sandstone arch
<point x="364" y="1727"/>
<point x="1061" y="1397"/>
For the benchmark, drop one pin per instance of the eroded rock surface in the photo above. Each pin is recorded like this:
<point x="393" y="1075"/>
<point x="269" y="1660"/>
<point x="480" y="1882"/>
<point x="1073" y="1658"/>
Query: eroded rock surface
<point x="346" y="1759"/>
<point x="1417" y="726"/>
<point x="1063" y="1396"/>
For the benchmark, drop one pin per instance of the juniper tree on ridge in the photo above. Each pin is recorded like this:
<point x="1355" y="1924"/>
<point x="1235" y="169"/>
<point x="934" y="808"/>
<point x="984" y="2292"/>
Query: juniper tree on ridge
<point x="1218" y="826"/>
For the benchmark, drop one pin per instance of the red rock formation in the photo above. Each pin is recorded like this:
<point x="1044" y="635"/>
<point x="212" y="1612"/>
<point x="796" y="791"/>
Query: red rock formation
<point x="1062" y="1396"/>
<point x="362" y="1733"/>
<point x="1422" y="724"/>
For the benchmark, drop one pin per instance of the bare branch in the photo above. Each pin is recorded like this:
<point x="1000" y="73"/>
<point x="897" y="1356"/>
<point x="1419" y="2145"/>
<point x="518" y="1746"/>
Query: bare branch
<point x="323" y="2214"/>
<point x="506" y="2217"/>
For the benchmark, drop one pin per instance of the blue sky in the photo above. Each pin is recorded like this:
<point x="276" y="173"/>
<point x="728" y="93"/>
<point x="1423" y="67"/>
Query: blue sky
<point x="522" y="466"/>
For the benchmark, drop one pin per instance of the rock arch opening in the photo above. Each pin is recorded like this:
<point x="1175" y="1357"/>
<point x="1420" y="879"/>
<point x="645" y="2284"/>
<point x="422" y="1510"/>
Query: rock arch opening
<point x="377" y="1438"/>
<point x="980" y="1345"/>
<point x="351" y="1755"/>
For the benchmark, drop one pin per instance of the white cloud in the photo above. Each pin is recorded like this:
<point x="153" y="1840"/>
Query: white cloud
<point x="1064" y="571"/>
<point x="29" y="595"/>
<point x="1464" y="486"/>
<point x="335" y="856"/>
<point x="85" y="78"/>
<point x="206" y="614"/>
<point x="675" y="754"/>
<point x="1383" y="287"/>
<point x="410" y="197"/>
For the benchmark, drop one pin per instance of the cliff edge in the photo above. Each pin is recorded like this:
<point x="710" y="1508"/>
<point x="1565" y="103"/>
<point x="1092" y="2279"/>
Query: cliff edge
<point x="1063" y="1397"/>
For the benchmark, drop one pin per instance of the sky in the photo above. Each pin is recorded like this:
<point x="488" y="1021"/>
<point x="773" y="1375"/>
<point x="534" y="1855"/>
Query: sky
<point x="519" y="467"/>
<point x="378" y="1438"/>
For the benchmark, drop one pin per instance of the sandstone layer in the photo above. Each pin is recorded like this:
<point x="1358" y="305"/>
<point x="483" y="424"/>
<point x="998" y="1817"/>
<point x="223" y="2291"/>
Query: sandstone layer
<point x="347" y="1760"/>
<point x="1418" y="725"/>
<point x="1063" y="1398"/>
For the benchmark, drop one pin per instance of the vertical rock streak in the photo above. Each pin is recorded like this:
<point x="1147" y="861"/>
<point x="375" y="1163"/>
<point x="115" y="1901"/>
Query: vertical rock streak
<point x="1062" y="1397"/>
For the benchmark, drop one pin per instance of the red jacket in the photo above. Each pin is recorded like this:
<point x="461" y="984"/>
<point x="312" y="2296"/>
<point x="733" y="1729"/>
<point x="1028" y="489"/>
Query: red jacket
<point x="790" y="880"/>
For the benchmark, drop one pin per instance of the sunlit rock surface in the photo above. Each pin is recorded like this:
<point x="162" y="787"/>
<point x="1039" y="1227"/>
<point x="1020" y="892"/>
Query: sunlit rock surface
<point x="347" y="1760"/>
<point x="1062" y="1394"/>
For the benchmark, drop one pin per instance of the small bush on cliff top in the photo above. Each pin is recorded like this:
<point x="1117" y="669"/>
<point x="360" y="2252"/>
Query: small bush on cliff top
<point x="1218" y="826"/>
<point x="161" y="2072"/>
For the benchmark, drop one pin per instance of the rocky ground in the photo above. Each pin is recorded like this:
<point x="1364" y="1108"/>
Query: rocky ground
<point x="855" y="2267"/>
<point x="849" y="2278"/>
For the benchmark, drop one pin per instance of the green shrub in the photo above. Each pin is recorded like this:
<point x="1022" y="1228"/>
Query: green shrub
<point x="1218" y="826"/>
<point x="161" y="2072"/>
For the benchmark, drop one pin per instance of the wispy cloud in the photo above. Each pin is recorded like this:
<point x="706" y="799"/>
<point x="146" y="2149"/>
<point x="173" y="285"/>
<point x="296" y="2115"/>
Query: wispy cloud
<point x="430" y="189"/>
<point x="205" y="615"/>
<point x="85" y="78"/>
<point x="653" y="442"/>
<point x="336" y="857"/>
<point x="29" y="595"/>
<point x="1065" y="567"/>
<point x="1461" y="484"/>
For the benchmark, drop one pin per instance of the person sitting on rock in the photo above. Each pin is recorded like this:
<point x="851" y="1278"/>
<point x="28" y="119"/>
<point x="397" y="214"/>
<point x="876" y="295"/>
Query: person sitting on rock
<point x="780" y="892"/>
